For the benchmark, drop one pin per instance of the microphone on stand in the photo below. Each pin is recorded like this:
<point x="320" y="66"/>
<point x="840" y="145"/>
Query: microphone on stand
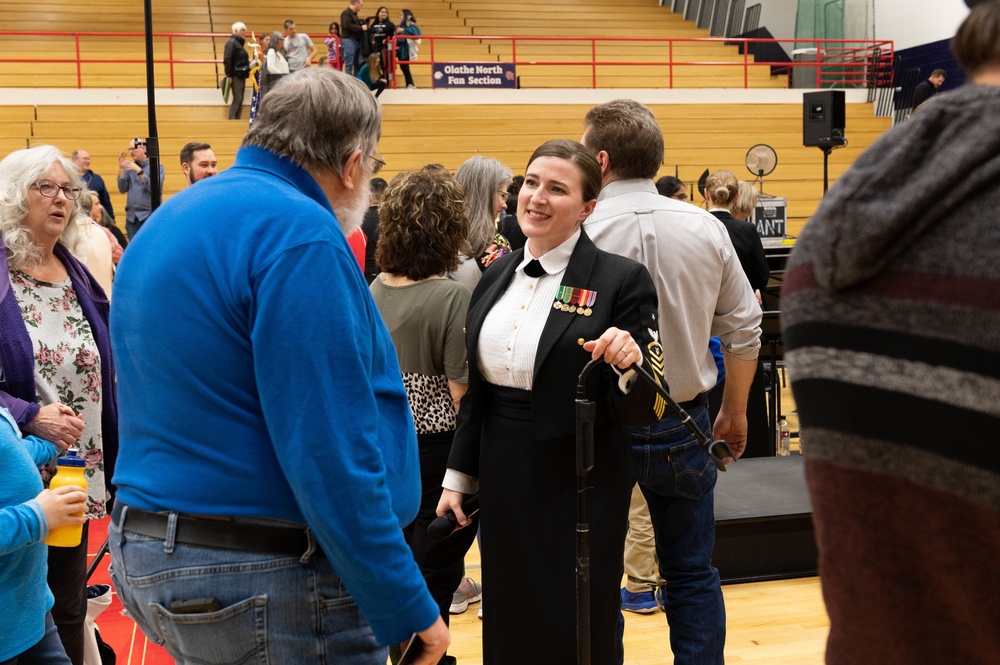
<point x="446" y="524"/>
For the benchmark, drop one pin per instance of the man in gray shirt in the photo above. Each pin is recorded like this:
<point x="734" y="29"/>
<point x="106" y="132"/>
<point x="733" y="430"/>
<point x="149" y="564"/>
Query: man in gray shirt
<point x="703" y="292"/>
<point x="134" y="182"/>
<point x="298" y="47"/>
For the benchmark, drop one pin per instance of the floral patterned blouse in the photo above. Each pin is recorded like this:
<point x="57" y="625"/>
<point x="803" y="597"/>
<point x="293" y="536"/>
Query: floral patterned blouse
<point x="67" y="369"/>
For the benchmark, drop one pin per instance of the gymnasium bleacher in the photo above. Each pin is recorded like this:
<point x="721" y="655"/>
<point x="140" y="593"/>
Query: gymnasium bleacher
<point x="708" y="119"/>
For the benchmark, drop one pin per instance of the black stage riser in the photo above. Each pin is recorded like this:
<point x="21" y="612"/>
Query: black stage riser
<point x="763" y="521"/>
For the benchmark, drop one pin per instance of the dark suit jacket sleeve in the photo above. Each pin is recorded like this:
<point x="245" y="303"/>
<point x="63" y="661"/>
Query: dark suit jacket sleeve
<point x="464" y="455"/>
<point x="635" y="310"/>
<point x="227" y="58"/>
<point x="757" y="271"/>
<point x="102" y="194"/>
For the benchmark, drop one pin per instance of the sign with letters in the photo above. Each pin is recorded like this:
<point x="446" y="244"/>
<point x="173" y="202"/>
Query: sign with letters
<point x="769" y="218"/>
<point x="474" y="75"/>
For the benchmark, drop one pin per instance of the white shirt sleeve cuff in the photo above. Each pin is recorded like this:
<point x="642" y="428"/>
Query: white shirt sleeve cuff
<point x="457" y="481"/>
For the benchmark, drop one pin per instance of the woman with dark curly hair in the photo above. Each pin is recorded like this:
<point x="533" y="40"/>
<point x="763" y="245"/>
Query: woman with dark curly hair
<point x="422" y="228"/>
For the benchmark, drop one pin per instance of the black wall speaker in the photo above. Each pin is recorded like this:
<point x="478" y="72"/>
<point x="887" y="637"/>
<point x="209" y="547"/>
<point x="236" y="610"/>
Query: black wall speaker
<point x="823" y="118"/>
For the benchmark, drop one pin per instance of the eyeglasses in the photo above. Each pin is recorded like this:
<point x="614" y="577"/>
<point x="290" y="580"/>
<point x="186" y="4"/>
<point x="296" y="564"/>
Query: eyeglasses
<point x="50" y="189"/>
<point x="377" y="163"/>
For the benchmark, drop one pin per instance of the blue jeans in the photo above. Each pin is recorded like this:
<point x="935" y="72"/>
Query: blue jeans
<point x="275" y="609"/>
<point x="677" y="478"/>
<point x="132" y="228"/>
<point x="47" y="651"/>
<point x="351" y="48"/>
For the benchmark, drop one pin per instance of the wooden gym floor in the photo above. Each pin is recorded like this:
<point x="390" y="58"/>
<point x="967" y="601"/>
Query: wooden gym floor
<point x="782" y="622"/>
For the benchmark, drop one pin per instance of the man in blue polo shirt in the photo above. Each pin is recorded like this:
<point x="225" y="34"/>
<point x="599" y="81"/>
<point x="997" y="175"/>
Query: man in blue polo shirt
<point x="268" y="457"/>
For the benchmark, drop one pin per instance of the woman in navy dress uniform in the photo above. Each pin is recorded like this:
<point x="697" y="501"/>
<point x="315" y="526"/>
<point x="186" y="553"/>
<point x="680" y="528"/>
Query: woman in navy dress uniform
<point x="536" y="318"/>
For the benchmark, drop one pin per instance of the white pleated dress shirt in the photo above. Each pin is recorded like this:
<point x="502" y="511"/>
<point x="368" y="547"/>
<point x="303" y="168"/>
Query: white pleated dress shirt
<point x="508" y="340"/>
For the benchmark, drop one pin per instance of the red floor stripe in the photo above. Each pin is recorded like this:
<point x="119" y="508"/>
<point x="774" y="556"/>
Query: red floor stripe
<point x="120" y="632"/>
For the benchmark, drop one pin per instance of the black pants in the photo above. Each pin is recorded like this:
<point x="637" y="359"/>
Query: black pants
<point x="236" y="108"/>
<point x="406" y="74"/>
<point x="267" y="82"/>
<point x="67" y="579"/>
<point x="442" y="563"/>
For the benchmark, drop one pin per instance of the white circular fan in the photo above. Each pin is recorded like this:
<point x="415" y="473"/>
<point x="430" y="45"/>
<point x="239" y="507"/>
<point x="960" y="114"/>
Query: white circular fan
<point x="760" y="161"/>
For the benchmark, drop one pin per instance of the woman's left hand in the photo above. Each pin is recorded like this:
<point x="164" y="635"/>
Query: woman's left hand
<point x="617" y="347"/>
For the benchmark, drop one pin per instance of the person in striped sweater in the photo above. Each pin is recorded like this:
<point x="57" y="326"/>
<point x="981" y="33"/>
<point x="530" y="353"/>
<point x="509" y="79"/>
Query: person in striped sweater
<point x="891" y="315"/>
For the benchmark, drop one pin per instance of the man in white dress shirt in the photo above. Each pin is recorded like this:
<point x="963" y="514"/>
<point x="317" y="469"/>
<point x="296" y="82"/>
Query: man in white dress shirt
<point x="702" y="292"/>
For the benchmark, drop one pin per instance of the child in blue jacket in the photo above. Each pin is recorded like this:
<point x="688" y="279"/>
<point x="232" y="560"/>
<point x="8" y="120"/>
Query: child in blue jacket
<point x="27" y="512"/>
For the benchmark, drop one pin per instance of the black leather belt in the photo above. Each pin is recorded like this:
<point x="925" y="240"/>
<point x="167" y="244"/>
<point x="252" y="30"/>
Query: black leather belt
<point x="700" y="400"/>
<point x="218" y="534"/>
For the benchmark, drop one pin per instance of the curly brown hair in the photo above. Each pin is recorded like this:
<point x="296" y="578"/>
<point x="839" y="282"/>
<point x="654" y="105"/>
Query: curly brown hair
<point x="422" y="225"/>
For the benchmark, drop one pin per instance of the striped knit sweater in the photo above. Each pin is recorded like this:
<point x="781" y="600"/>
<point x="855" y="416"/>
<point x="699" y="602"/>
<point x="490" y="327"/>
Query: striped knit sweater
<point x="891" y="315"/>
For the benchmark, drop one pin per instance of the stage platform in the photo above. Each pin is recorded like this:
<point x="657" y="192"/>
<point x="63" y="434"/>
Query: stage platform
<point x="763" y="521"/>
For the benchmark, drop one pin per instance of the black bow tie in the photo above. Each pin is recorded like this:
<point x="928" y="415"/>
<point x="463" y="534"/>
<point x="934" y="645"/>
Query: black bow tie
<point x="534" y="268"/>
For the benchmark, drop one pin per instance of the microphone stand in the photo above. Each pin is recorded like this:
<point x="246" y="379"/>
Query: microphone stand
<point x="586" y="414"/>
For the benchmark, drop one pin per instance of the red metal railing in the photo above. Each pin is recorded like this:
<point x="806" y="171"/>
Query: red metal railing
<point x="79" y="60"/>
<point x="838" y="63"/>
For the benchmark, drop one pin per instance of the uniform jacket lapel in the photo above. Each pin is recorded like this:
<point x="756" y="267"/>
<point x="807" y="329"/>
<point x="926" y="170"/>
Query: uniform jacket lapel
<point x="579" y="274"/>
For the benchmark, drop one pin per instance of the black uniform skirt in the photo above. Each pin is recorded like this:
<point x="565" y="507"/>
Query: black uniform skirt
<point x="528" y="527"/>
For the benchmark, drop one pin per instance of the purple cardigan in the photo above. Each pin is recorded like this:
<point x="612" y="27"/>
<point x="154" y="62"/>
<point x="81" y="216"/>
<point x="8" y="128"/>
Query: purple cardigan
<point x="17" y="362"/>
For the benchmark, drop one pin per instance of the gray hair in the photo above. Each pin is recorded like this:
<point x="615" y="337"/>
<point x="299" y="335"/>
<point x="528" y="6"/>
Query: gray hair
<point x="18" y="171"/>
<point x="317" y="117"/>
<point x="86" y="202"/>
<point x="239" y="25"/>
<point x="277" y="43"/>
<point x="745" y="199"/>
<point x="481" y="178"/>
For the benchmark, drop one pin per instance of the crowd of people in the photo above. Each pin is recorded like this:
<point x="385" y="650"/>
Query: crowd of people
<point x="359" y="46"/>
<point x="272" y="417"/>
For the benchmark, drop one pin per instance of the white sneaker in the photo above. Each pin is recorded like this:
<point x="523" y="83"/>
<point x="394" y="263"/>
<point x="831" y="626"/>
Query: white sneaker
<point x="411" y="87"/>
<point x="469" y="591"/>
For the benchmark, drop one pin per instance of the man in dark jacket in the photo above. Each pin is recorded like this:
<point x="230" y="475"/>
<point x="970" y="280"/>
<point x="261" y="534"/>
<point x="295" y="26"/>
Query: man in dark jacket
<point x="927" y="89"/>
<point x="353" y="31"/>
<point x="95" y="183"/>
<point x="237" y="63"/>
<point x="370" y="227"/>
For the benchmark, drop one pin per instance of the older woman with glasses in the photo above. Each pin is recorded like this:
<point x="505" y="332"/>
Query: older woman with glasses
<point x="56" y="373"/>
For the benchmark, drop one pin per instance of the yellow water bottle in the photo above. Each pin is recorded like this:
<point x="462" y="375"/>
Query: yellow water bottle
<point x="69" y="471"/>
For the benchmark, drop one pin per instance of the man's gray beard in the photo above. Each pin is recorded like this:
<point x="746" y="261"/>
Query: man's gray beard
<point x="351" y="215"/>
